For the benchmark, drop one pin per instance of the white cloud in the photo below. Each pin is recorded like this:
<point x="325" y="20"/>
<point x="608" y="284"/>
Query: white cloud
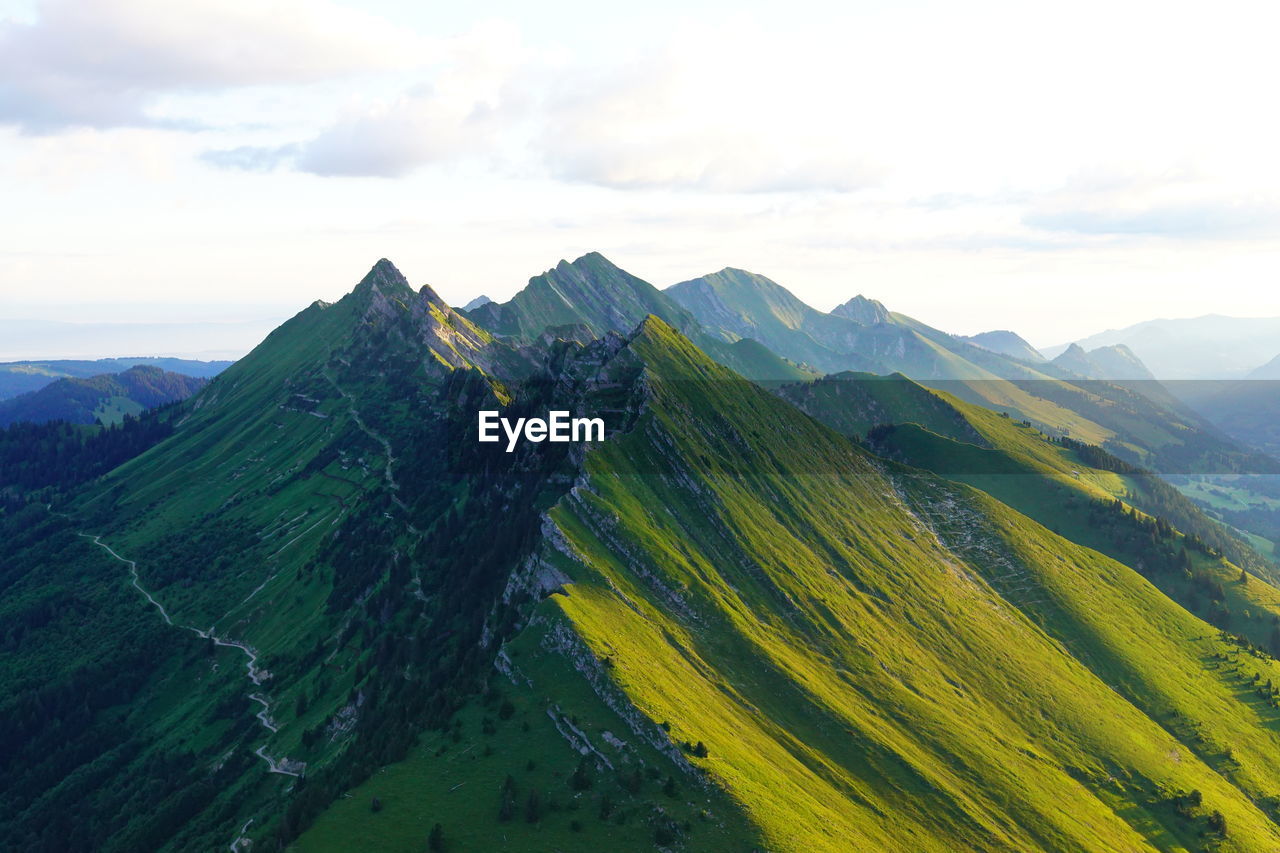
<point x="466" y="109"/>
<point x="102" y="63"/>
<point x="696" y="115"/>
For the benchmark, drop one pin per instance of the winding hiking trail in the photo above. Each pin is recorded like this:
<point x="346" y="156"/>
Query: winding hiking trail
<point x="255" y="674"/>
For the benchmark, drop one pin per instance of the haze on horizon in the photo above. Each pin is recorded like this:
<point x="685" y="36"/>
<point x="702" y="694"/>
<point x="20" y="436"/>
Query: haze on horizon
<point x="1000" y="166"/>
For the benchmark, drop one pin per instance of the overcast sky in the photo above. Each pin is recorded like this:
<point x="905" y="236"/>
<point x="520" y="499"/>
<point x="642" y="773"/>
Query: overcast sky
<point x="1056" y="169"/>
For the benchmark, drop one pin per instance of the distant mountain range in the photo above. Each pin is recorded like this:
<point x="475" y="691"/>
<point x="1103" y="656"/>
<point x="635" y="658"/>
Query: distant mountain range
<point x="861" y="334"/>
<point x="105" y="398"/>
<point x="1116" y="361"/>
<point x="1211" y="347"/>
<point x="20" y="377"/>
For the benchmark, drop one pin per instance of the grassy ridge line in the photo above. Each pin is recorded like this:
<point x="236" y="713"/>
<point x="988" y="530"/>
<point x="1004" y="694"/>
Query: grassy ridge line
<point x="730" y="607"/>
<point x="1054" y="486"/>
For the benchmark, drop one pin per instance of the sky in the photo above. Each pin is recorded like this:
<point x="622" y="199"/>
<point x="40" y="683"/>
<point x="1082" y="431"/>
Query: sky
<point x="1055" y="169"/>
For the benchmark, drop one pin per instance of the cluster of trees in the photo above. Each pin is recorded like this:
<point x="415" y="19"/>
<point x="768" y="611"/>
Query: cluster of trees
<point x="65" y="748"/>
<point x="37" y="460"/>
<point x="1189" y="805"/>
<point x="1160" y="499"/>
<point x="1162" y="549"/>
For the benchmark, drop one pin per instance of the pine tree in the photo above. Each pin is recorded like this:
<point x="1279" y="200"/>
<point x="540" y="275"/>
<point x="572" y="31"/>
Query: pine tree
<point x="507" y="799"/>
<point x="581" y="778"/>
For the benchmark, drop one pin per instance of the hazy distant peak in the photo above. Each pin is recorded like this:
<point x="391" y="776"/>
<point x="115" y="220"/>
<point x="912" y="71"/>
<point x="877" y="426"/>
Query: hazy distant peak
<point x="1115" y="361"/>
<point x="476" y="303"/>
<point x="863" y="311"/>
<point x="1005" y="342"/>
<point x="1270" y="370"/>
<point x="1208" y="347"/>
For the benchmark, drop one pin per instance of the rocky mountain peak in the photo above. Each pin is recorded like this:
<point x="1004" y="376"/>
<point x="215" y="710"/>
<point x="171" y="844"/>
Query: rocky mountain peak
<point x="863" y="311"/>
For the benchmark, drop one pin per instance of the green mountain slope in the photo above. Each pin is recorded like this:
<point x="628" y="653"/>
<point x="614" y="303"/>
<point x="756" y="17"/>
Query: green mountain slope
<point x="1136" y="418"/>
<point x="591" y="290"/>
<point x="596" y="294"/>
<point x="772" y="603"/>
<point x="321" y="616"/>
<point x="1072" y="488"/>
<point x="105" y="399"/>
<point x="814" y="618"/>
<point x="853" y="404"/>
<point x="860" y="335"/>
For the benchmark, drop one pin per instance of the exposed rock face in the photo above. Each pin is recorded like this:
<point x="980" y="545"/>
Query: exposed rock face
<point x="863" y="311"/>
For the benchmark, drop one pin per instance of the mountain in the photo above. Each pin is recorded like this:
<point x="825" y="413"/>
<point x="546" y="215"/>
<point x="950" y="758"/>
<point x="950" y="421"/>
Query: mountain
<point x="321" y="615"/>
<point x="1140" y="421"/>
<point x="593" y="292"/>
<point x="1115" y="362"/>
<point x="1132" y="416"/>
<point x="1244" y="408"/>
<point x="863" y="311"/>
<point x="1006" y="343"/>
<point x="860" y="335"/>
<point x="735" y="305"/>
<point x="1210" y="347"/>
<point x="1014" y="462"/>
<point x="476" y="303"/>
<point x="105" y="399"/>
<point x="19" y="377"/>
<point x="1270" y="370"/>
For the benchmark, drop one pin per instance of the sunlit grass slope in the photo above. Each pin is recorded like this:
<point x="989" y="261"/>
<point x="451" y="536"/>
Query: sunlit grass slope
<point x="878" y="660"/>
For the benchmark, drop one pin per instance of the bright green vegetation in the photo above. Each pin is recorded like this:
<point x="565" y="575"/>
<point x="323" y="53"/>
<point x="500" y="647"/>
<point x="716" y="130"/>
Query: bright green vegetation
<point x="821" y="641"/>
<point x="728" y="627"/>
<point x="1078" y="491"/>
<point x="112" y="410"/>
<point x="457" y="777"/>
<point x="854" y="404"/>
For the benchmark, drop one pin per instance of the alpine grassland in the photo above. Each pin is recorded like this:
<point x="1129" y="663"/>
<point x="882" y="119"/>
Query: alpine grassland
<point x="306" y="609"/>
